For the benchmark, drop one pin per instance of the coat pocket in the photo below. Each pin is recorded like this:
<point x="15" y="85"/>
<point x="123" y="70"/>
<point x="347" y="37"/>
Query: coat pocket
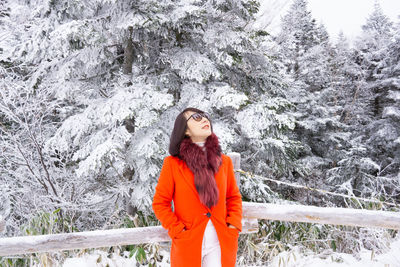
<point x="233" y="231"/>
<point x="183" y="235"/>
<point x="186" y="233"/>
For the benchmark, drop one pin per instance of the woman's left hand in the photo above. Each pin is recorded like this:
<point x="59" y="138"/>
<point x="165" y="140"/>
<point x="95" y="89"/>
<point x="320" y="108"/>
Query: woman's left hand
<point x="231" y="226"/>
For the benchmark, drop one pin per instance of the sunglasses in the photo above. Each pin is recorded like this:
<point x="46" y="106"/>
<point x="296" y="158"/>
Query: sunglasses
<point x="199" y="116"/>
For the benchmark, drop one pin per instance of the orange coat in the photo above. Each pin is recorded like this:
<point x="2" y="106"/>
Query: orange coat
<point x="176" y="183"/>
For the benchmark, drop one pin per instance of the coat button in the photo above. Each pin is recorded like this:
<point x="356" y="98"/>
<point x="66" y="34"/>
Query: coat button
<point x="208" y="214"/>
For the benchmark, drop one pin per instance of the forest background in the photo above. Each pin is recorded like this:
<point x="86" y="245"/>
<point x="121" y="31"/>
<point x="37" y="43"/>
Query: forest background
<point x="90" y="89"/>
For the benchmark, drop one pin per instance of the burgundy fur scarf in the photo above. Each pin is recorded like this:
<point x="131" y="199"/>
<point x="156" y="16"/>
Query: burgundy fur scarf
<point x="204" y="165"/>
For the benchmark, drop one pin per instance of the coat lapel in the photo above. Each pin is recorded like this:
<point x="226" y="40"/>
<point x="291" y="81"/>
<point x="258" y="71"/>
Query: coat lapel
<point x="188" y="176"/>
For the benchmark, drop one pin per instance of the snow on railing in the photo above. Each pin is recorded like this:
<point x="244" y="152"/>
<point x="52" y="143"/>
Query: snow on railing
<point x="93" y="239"/>
<point x="251" y="213"/>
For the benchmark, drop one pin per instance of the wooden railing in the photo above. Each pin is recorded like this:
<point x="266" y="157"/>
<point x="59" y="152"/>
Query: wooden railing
<point x="251" y="213"/>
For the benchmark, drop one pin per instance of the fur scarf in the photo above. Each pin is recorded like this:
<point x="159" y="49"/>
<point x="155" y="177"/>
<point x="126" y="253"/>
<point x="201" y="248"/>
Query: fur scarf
<point x="204" y="165"/>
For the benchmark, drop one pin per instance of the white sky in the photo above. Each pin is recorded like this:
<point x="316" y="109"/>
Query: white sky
<point x="345" y="15"/>
<point x="349" y="15"/>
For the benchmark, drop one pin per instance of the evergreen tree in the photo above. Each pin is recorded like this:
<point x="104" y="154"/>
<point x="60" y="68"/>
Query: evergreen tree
<point x="376" y="35"/>
<point x="316" y="98"/>
<point x="315" y="63"/>
<point x="297" y="35"/>
<point x="369" y="161"/>
<point x="113" y="75"/>
<point x="385" y="130"/>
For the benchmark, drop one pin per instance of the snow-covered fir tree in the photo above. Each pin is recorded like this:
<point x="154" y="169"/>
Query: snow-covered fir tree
<point x="370" y="161"/>
<point x="337" y="94"/>
<point x="309" y="60"/>
<point x="112" y="76"/>
<point x="297" y="35"/>
<point x="384" y="132"/>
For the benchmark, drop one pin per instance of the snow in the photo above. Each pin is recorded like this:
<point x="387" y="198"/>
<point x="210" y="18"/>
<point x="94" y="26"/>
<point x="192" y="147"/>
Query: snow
<point x="395" y="95"/>
<point x="193" y="65"/>
<point x="194" y="95"/>
<point x="101" y="258"/>
<point x="270" y="14"/>
<point x="368" y="258"/>
<point x="391" y="112"/>
<point x="109" y="149"/>
<point x="221" y="38"/>
<point x="262" y="117"/>
<point x="369" y="164"/>
<point x="182" y="11"/>
<point x="223" y="95"/>
<point x="292" y="258"/>
<point x="226" y="135"/>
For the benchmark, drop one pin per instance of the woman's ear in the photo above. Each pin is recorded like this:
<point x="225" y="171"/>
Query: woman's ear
<point x="187" y="131"/>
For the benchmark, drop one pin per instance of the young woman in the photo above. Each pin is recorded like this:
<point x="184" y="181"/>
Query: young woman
<point x="205" y="222"/>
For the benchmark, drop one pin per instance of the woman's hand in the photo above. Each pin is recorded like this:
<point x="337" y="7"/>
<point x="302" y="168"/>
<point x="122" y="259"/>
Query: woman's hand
<point x="231" y="226"/>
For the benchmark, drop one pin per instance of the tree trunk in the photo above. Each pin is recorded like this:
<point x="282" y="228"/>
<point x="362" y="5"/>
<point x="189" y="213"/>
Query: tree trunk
<point x="128" y="53"/>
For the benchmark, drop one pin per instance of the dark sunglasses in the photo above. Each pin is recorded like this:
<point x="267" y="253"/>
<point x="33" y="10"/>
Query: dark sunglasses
<point x="199" y="116"/>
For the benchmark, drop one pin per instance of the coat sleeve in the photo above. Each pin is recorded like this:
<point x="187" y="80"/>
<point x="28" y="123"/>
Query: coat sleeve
<point x="233" y="199"/>
<point x="162" y="201"/>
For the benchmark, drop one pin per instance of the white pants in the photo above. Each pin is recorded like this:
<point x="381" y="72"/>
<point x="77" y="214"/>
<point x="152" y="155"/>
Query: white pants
<point x="211" y="251"/>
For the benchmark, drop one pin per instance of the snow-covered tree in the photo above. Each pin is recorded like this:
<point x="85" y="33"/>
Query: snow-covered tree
<point x="108" y="79"/>
<point x="376" y="34"/>
<point x="370" y="163"/>
<point x="308" y="57"/>
<point x="297" y="35"/>
<point x="384" y="131"/>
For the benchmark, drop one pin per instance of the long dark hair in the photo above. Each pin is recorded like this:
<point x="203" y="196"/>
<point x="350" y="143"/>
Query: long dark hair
<point x="178" y="133"/>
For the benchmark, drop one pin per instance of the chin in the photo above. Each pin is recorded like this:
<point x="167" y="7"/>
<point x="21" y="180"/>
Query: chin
<point x="205" y="135"/>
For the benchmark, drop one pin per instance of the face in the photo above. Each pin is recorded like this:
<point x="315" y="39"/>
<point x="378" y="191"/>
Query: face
<point x="197" y="130"/>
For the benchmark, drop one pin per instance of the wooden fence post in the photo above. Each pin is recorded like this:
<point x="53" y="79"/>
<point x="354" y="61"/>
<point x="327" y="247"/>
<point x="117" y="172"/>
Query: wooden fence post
<point x="249" y="225"/>
<point x="236" y="165"/>
<point x="2" y="224"/>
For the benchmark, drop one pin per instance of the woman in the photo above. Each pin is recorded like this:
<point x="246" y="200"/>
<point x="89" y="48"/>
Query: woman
<point x="205" y="222"/>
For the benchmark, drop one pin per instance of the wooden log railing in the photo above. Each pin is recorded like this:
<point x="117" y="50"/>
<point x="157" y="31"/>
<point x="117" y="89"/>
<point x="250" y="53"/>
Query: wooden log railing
<point x="251" y="213"/>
